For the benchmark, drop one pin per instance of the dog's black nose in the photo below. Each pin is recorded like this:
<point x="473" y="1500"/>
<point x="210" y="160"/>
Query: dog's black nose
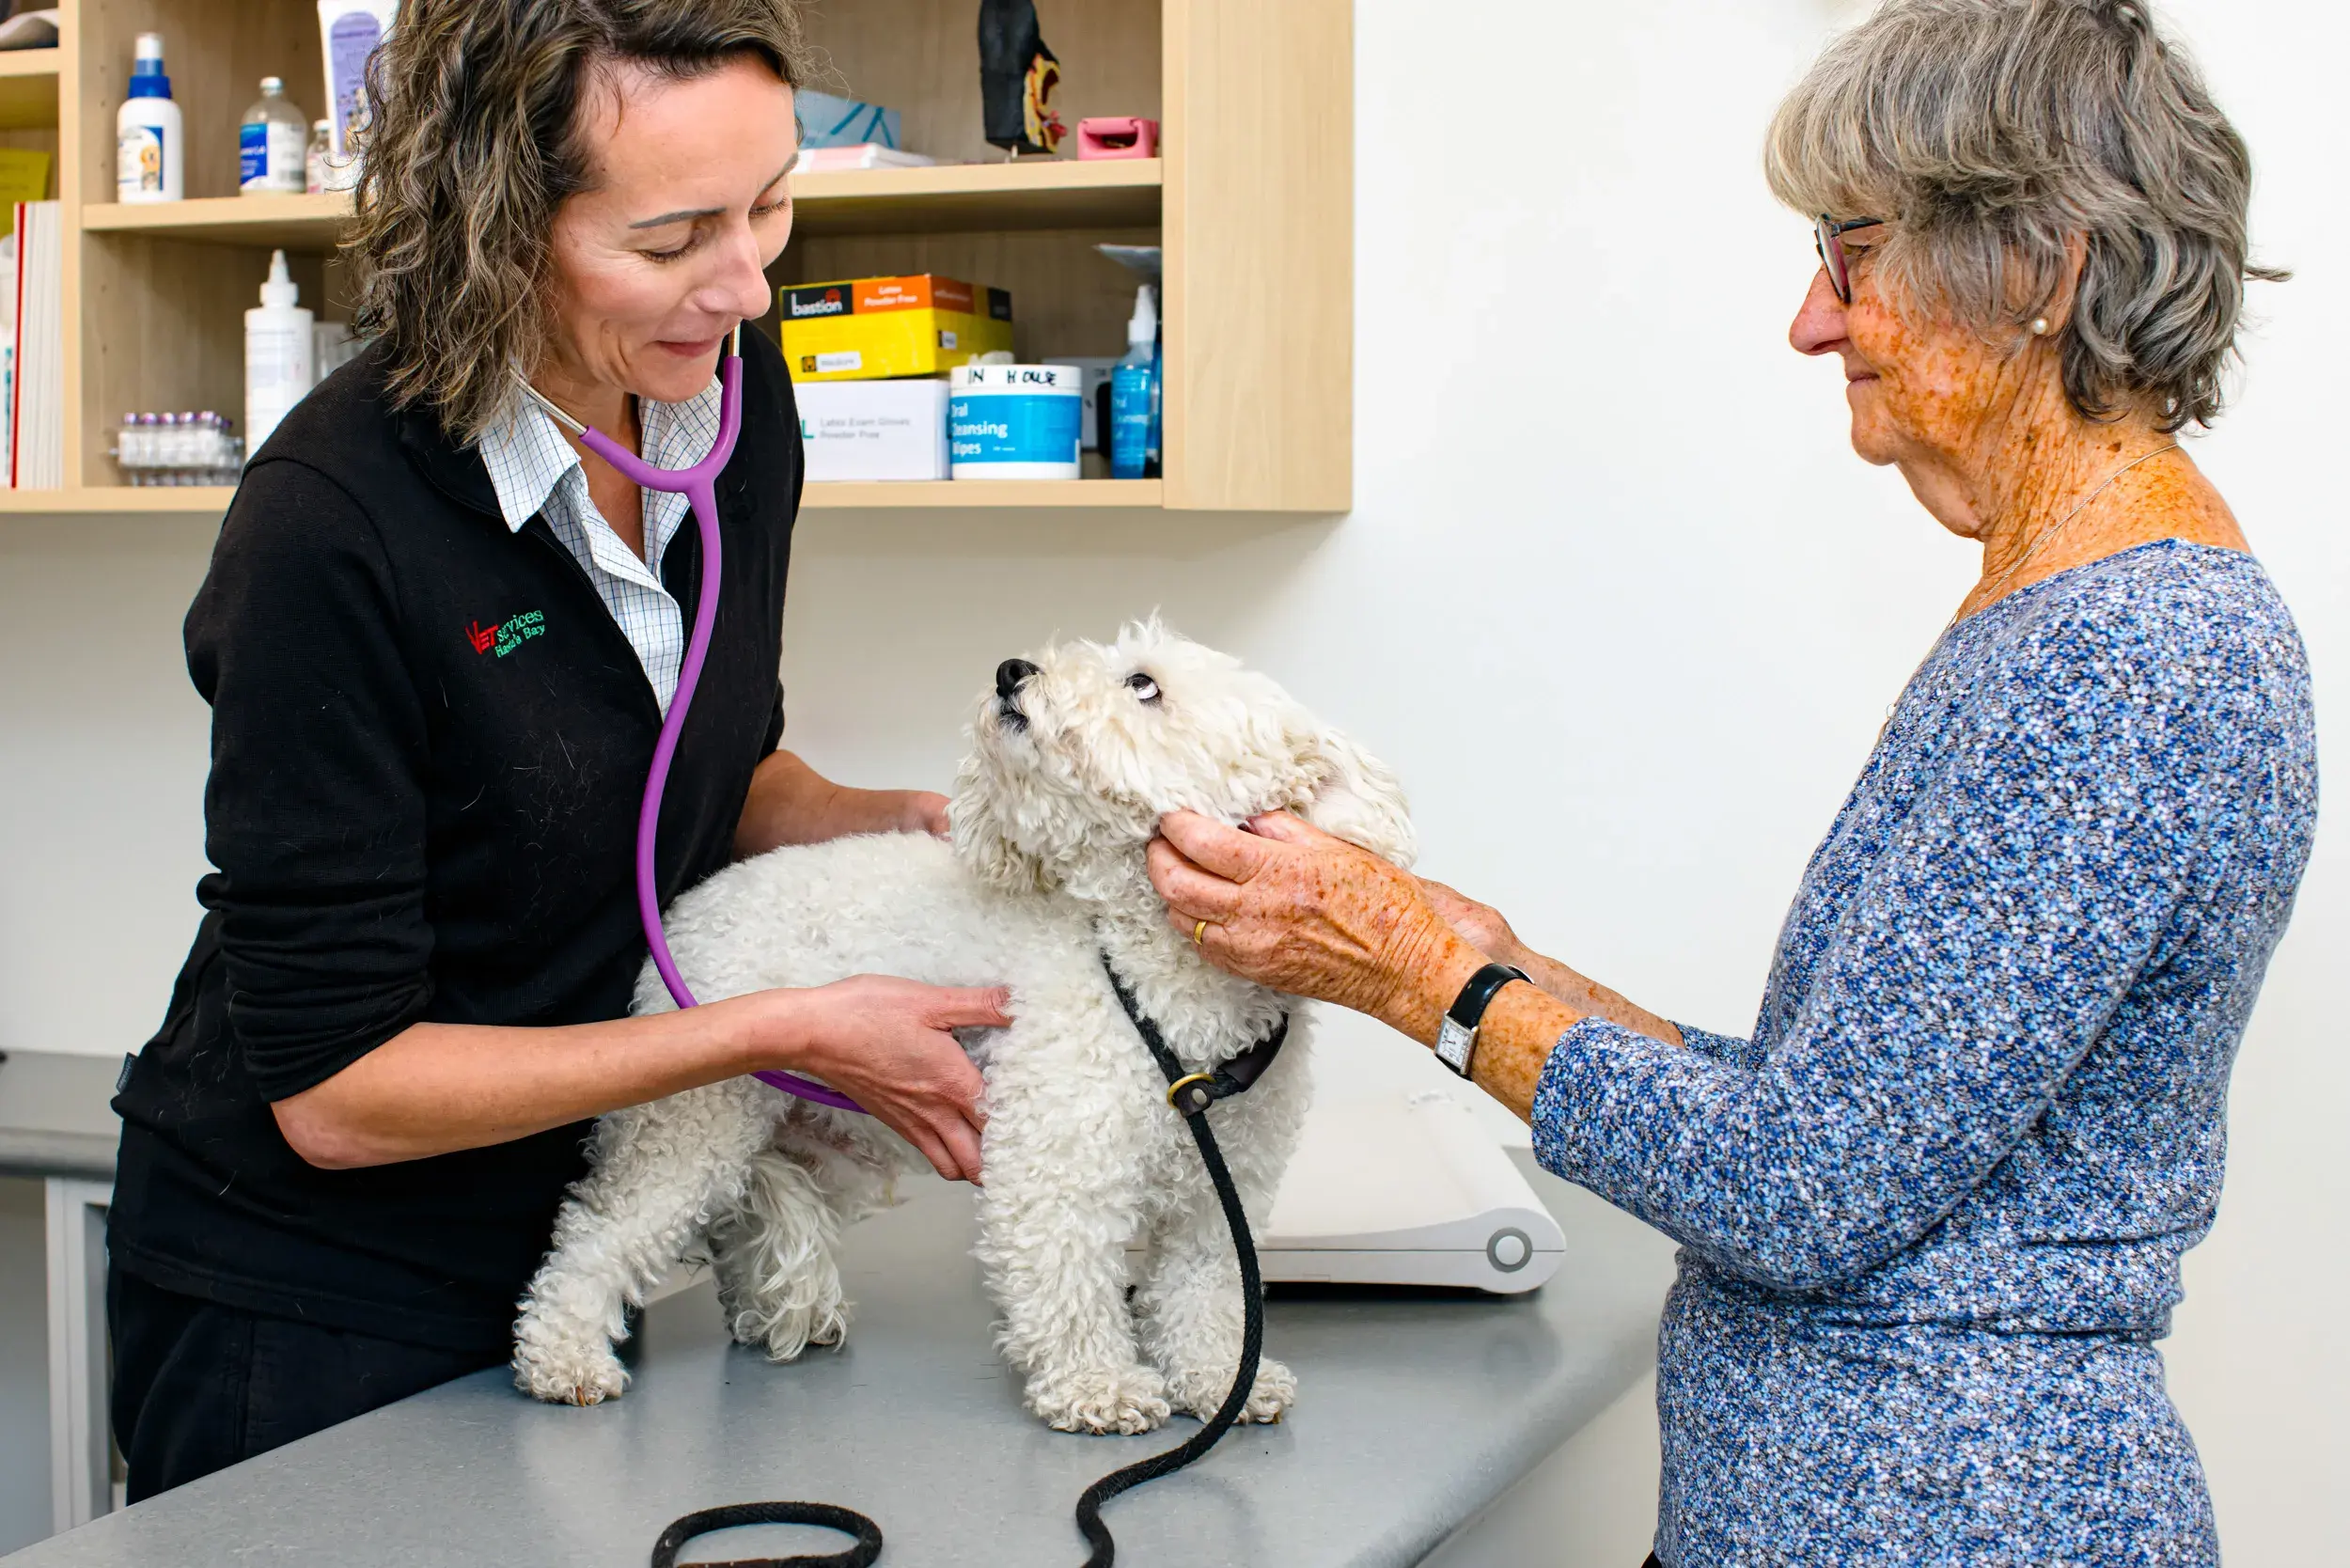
<point x="1009" y="674"/>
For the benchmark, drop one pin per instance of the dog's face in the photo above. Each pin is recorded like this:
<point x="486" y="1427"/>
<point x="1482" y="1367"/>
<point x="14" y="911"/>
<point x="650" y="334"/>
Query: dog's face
<point x="1077" y="751"/>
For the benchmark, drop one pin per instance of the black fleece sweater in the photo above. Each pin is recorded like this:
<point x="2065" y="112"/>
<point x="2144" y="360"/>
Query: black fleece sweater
<point x="428" y="742"/>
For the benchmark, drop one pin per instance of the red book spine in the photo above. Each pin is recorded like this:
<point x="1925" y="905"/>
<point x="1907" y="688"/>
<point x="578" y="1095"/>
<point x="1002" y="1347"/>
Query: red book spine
<point x="16" y="380"/>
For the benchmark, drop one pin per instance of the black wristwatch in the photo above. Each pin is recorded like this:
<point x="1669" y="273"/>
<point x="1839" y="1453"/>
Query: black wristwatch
<point x="1456" y="1041"/>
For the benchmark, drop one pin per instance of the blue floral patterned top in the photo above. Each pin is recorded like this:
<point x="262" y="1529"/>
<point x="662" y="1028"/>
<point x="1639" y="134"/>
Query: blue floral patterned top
<point x="1932" y="1213"/>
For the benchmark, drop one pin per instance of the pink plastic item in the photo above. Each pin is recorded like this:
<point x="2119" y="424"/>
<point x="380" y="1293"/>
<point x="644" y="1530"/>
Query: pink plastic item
<point x="1118" y="136"/>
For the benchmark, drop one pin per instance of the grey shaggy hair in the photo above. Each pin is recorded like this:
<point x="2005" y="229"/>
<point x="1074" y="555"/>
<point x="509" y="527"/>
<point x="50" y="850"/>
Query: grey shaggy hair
<point x="474" y="143"/>
<point x="1993" y="136"/>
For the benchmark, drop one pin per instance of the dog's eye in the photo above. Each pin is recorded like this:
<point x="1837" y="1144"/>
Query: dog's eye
<point x="1144" y="688"/>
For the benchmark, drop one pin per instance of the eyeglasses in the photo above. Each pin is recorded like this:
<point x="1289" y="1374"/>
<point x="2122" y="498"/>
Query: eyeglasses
<point x="1828" y="237"/>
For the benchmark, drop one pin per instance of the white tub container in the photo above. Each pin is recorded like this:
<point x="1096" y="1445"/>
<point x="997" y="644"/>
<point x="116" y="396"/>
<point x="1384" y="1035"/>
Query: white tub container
<point x="1015" y="421"/>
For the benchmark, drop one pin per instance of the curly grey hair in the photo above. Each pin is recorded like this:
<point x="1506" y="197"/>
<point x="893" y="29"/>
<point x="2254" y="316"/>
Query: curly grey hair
<point x="1993" y="136"/>
<point x="472" y="144"/>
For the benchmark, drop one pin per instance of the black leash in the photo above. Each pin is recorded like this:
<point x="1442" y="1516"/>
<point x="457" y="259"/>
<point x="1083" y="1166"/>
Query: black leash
<point x="848" y="1521"/>
<point x="1190" y="1094"/>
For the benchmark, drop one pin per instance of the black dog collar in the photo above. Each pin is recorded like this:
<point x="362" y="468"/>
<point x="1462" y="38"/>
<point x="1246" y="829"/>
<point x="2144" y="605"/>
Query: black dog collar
<point x="1191" y="1094"/>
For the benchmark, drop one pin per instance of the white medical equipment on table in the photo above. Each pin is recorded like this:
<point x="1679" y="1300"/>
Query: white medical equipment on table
<point x="1408" y="1187"/>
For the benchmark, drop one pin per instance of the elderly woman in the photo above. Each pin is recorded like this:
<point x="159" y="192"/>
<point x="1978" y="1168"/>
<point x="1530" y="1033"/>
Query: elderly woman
<point x="439" y="638"/>
<point x="1932" y="1212"/>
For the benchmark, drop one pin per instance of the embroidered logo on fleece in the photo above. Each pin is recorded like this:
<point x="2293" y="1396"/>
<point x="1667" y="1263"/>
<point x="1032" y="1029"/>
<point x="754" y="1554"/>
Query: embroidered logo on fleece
<point x="508" y="634"/>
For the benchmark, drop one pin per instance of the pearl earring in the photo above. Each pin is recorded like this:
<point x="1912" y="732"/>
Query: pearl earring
<point x="2040" y="326"/>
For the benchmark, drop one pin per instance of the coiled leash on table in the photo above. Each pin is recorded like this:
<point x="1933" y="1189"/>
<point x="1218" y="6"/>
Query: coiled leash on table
<point x="1190" y="1094"/>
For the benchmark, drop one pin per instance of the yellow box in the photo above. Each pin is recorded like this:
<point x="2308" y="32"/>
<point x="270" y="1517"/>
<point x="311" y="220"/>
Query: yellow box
<point x="868" y="328"/>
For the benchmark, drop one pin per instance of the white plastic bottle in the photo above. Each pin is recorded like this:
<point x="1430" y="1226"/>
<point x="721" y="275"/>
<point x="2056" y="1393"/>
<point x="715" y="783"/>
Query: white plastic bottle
<point x="273" y="144"/>
<point x="149" y="152"/>
<point x="277" y="354"/>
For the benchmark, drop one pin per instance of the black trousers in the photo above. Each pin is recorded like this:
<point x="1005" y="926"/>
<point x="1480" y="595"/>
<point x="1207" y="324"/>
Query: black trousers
<point x="198" y="1386"/>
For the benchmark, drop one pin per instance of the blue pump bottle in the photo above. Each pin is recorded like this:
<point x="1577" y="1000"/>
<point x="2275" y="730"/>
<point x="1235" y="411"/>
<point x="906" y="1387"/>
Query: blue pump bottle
<point x="1135" y="394"/>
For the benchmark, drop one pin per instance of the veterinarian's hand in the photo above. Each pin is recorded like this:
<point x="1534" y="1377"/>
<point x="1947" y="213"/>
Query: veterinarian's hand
<point x="924" y="811"/>
<point x="889" y="812"/>
<point x="884" y="1043"/>
<point x="1291" y="907"/>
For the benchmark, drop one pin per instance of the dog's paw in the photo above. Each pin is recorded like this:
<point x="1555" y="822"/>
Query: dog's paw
<point x="1202" y="1393"/>
<point x="570" y="1378"/>
<point x="784" y="1333"/>
<point x="1127" y="1402"/>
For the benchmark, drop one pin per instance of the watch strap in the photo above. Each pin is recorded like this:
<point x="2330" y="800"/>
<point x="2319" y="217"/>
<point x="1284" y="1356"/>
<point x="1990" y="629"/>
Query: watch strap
<point x="1456" y="1037"/>
<point x="1468" y="1008"/>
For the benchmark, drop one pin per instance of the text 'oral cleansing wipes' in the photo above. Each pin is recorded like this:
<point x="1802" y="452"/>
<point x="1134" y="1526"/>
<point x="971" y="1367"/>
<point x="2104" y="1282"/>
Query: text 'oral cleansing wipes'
<point x="1014" y="421"/>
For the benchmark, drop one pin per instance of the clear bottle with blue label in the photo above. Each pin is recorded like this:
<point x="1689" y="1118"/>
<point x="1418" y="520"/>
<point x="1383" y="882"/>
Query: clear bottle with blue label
<point x="273" y="144"/>
<point x="1135" y="394"/>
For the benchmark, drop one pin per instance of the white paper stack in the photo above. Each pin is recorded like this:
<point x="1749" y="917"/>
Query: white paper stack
<point x="864" y="155"/>
<point x="37" y="407"/>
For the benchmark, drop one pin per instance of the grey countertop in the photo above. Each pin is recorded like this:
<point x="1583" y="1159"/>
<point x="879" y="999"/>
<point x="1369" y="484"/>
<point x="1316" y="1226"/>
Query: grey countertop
<point x="53" y="1114"/>
<point x="1415" y="1410"/>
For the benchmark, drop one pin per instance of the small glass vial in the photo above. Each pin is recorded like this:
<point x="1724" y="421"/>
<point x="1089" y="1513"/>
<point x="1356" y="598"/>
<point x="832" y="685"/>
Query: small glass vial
<point x="321" y="153"/>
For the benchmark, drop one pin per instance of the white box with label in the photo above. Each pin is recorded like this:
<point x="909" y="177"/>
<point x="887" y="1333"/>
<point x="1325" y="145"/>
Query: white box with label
<point x="873" y="430"/>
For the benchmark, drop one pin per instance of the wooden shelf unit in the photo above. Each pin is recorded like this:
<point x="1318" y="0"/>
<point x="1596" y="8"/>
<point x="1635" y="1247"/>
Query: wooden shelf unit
<point x="990" y="496"/>
<point x="1047" y="193"/>
<point x="29" y="88"/>
<point x="1251" y="197"/>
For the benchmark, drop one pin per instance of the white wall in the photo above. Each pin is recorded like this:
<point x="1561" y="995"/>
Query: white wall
<point x="1615" y="597"/>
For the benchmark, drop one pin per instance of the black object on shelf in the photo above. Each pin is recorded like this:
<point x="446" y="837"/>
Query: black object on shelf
<point x="1017" y="75"/>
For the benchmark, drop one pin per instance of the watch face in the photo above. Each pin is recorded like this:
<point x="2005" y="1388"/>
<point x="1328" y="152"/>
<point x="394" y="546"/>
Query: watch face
<point x="1453" y="1045"/>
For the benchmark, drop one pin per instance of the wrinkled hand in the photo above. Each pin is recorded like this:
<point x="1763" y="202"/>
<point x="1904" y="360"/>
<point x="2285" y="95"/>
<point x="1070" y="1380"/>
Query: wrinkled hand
<point x="884" y="1043"/>
<point x="1291" y="907"/>
<point x="1480" y="925"/>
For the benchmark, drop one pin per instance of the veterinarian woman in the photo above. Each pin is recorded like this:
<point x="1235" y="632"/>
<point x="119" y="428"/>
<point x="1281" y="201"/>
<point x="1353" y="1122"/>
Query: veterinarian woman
<point x="1933" y="1211"/>
<point x="438" y="641"/>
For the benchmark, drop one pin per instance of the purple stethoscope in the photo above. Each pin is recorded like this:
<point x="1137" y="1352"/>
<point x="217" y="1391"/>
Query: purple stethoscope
<point x="699" y="486"/>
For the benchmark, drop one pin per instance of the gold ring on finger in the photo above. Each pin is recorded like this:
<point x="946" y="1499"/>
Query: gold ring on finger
<point x="1199" y="933"/>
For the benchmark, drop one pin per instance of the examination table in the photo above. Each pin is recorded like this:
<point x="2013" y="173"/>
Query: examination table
<point x="1415" y="1412"/>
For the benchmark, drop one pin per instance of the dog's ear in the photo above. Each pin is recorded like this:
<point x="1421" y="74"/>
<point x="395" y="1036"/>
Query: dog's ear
<point x="1357" y="797"/>
<point x="982" y="840"/>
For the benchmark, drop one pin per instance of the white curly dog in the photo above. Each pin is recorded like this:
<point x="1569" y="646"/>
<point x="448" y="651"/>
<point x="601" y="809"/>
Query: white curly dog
<point x="1073" y="759"/>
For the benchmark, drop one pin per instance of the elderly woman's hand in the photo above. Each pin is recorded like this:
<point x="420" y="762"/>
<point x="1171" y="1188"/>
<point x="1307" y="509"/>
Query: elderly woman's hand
<point x="1289" y="907"/>
<point x="1481" y="925"/>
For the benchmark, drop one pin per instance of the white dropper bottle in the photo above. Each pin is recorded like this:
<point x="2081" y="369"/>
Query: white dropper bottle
<point x="277" y="355"/>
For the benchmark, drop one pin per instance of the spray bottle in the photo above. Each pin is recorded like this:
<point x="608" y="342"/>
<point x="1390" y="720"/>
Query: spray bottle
<point x="1134" y="394"/>
<point x="278" y="366"/>
<point x="148" y="154"/>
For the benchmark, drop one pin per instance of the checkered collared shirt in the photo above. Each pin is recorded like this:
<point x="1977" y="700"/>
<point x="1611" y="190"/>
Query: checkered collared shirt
<point x="535" y="472"/>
